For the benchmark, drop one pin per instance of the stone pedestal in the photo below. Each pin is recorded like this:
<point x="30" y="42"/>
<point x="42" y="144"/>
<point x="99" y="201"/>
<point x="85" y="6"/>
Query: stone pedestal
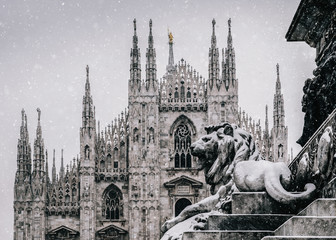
<point x="257" y="203"/>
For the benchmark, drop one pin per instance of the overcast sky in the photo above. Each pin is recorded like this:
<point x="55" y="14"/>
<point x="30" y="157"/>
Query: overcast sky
<point x="45" y="46"/>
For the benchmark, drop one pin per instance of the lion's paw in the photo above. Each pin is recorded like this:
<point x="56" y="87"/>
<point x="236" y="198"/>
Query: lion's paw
<point x="201" y="222"/>
<point x="167" y="225"/>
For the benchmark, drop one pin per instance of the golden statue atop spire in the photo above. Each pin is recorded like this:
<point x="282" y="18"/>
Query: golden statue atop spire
<point x="170" y="35"/>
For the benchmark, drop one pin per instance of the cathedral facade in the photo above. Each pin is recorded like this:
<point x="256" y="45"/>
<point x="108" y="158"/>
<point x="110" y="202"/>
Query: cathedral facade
<point x="138" y="172"/>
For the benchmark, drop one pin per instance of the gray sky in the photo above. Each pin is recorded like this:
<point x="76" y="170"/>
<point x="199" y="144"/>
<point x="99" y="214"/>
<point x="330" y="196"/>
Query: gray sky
<point x="45" y="46"/>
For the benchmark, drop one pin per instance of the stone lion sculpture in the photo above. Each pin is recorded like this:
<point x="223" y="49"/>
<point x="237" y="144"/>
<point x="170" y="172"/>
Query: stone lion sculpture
<point x="231" y="162"/>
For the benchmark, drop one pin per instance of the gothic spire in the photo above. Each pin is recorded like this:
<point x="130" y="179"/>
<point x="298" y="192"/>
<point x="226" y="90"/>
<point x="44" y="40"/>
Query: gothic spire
<point x="39" y="129"/>
<point x="278" y="105"/>
<point x="46" y="168"/>
<point x="88" y="115"/>
<point x="23" y="150"/>
<point x="213" y="36"/>
<point x="150" y="37"/>
<point x="135" y="66"/>
<point x="38" y="147"/>
<point x="87" y="83"/>
<point x="278" y="84"/>
<point x="53" y="170"/>
<point x="150" y="61"/>
<point x="229" y="41"/>
<point x="213" y="60"/>
<point x="170" y="66"/>
<point x="229" y="69"/>
<point x="62" y="166"/>
<point x="135" y="37"/>
<point x="266" y="119"/>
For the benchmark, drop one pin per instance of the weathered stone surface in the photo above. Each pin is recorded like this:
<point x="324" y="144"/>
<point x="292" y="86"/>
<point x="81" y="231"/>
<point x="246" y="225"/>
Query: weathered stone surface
<point x="308" y="226"/>
<point x="297" y="238"/>
<point x="231" y="162"/>
<point x="318" y="153"/>
<point x="314" y="23"/>
<point x="177" y="231"/>
<point x="320" y="207"/>
<point x="226" y="235"/>
<point x="256" y="203"/>
<point x="246" y="222"/>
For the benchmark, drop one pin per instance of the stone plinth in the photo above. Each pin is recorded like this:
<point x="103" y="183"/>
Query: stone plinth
<point x="226" y="235"/>
<point x="257" y="203"/>
<point x="246" y="221"/>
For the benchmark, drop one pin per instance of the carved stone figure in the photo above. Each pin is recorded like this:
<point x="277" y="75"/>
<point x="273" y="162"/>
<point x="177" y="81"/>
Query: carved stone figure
<point x="231" y="163"/>
<point x="323" y="161"/>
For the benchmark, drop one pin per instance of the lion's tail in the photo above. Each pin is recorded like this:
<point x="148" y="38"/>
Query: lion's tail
<point x="275" y="189"/>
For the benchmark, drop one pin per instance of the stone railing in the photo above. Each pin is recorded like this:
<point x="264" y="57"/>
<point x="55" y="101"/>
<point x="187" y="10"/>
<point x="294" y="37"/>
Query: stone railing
<point x="190" y="105"/>
<point x="61" y="208"/>
<point x="315" y="162"/>
<point x="114" y="174"/>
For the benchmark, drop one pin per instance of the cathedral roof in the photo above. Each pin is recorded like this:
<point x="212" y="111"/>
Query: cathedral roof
<point x="182" y="89"/>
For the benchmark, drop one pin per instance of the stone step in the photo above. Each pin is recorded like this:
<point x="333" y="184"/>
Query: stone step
<point x="320" y="207"/>
<point x="308" y="226"/>
<point x="246" y="221"/>
<point x="297" y="238"/>
<point x="225" y="235"/>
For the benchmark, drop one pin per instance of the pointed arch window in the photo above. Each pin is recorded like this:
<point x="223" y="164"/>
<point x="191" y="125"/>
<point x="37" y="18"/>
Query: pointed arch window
<point x="182" y="142"/>
<point x="112" y="203"/>
<point x="108" y="161"/>
<point x="182" y="93"/>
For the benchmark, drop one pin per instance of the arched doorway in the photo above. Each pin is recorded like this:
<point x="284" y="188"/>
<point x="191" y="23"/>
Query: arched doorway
<point x="180" y="205"/>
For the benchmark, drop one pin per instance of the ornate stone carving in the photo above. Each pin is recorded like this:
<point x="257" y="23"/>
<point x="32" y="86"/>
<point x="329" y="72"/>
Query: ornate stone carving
<point x="319" y="100"/>
<point x="231" y="162"/>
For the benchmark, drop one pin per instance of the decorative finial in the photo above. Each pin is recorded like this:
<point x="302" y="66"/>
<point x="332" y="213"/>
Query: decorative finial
<point x="170" y="36"/>
<point x="87" y="70"/>
<point x="213" y="23"/>
<point x="38" y="114"/>
<point x="134" y="23"/>
<point x="277" y="67"/>
<point x="23" y="116"/>
<point x="150" y="24"/>
<point x="229" y="23"/>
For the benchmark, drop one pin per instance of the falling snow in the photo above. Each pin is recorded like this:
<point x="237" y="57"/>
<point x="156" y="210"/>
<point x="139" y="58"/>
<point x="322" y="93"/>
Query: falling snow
<point x="47" y="44"/>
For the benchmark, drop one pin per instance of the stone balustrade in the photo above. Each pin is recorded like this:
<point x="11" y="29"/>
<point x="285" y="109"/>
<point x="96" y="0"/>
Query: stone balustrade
<point x="115" y="174"/>
<point x="315" y="162"/>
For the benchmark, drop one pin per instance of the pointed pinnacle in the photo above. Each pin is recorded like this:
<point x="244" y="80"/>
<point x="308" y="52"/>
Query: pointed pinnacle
<point x="23" y="116"/>
<point x="150" y="26"/>
<point x="277" y="67"/>
<point x="134" y="23"/>
<point x="38" y="115"/>
<point x="54" y="158"/>
<point x="46" y="153"/>
<point x="87" y="84"/>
